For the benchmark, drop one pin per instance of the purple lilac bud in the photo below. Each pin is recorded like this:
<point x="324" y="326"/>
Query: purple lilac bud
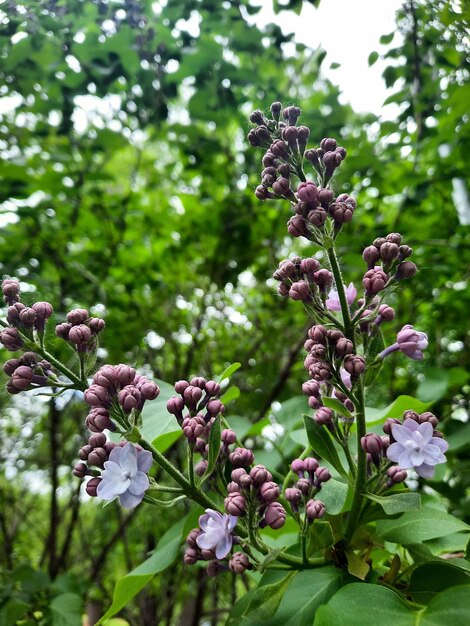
<point x="130" y="398"/>
<point x="175" y="406"/>
<point x="324" y="416"/>
<point x="341" y="212"/>
<point x="394" y="238"/>
<point x="10" y="337"/>
<point x="212" y="388"/>
<point x="241" y="457"/>
<point x="396" y="475"/>
<point x="409" y="341"/>
<point x="269" y="491"/>
<point x="190" y="556"/>
<point x="297" y="227"/>
<point x="308" y="193"/>
<point x="318" y="334"/>
<point x="304" y="485"/>
<point x="191" y="396"/>
<point x="11" y="290"/>
<point x="354" y="365"/>
<point x="300" y="291"/>
<point x="148" y="389"/>
<point x="298" y="467"/>
<point x="314" y="509"/>
<point x="97" y="457"/>
<point x="192" y="536"/>
<point x="322" y="475"/>
<point x="96" y="325"/>
<point x="428" y="417"/>
<point x="407" y="269"/>
<point x="77" y="316"/>
<point x="79" y="335"/>
<point x="317" y="217"/>
<point x="404" y="252"/>
<point x="10" y="366"/>
<point x="27" y="317"/>
<point x="92" y="487"/>
<point x="323" y="279"/>
<point x="13" y="313"/>
<point x="201" y="467"/>
<point x="294" y="497"/>
<point x="260" y="475"/>
<point x="385" y="313"/>
<point x="374" y="281"/>
<point x="373" y="445"/>
<point x="125" y="374"/>
<point x="193" y="427"/>
<point x="311" y="465"/>
<point x="343" y="347"/>
<point x="235" y="504"/>
<point x="22" y="377"/>
<point x="80" y="470"/>
<point x="43" y="312"/>
<point x="97" y="396"/>
<point x="239" y="563"/>
<point x="62" y="330"/>
<point x="214" y="407"/>
<point x="371" y="255"/>
<point x="320" y="371"/>
<point x="275" y="515"/>
<point x="228" y="436"/>
<point x="291" y="115"/>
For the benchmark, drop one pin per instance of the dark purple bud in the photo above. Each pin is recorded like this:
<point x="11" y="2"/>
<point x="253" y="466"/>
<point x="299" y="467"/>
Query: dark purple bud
<point x="374" y="281"/>
<point x="293" y="496"/>
<point x="190" y="556"/>
<point x="314" y="510"/>
<point x="300" y="290"/>
<point x="341" y="212"/>
<point x="284" y="170"/>
<point x="125" y="374"/>
<point x="175" y="406"/>
<point x="214" y="407"/>
<point x="354" y="365"/>
<point x="148" y="389"/>
<point x="106" y="377"/>
<point x="379" y="241"/>
<point x="80" y="470"/>
<point x="22" y="377"/>
<point x="257" y="117"/>
<point x="269" y="160"/>
<point x="275" y="515"/>
<point x="318" y="334"/>
<point x="303" y="133"/>
<point x="298" y="467"/>
<point x="212" y="388"/>
<point x="43" y="312"/>
<point x="239" y="563"/>
<point x="97" y="457"/>
<point x="324" y="416"/>
<point x="269" y="491"/>
<point x="235" y="504"/>
<point x="10" y="366"/>
<point x="388" y="252"/>
<point x="310" y="465"/>
<point x="84" y="452"/>
<point x="262" y="193"/>
<point x="317" y="217"/>
<point x="193" y="427"/>
<point x="10" y="337"/>
<point x="314" y="403"/>
<point x="233" y="487"/>
<point x="62" y="330"/>
<point x="324" y="279"/>
<point x="279" y="149"/>
<point x="97" y="440"/>
<point x="373" y="445"/>
<point x="387" y="427"/>
<point x="281" y="187"/>
<point x="11" y="290"/>
<point x="318" y="351"/>
<point x="407" y="269"/>
<point x="77" y="316"/>
<point x="311" y="388"/>
<point x="289" y="134"/>
<point x="313" y="157"/>
<point x="395" y="475"/>
<point x="428" y="417"/>
<point x="27" y="317"/>
<point x="386" y="313"/>
<point x="79" y="335"/>
<point x="394" y="238"/>
<point x="343" y="347"/>
<point x="304" y="486"/>
<point x="241" y="457"/>
<point x="328" y="144"/>
<point x="371" y="255"/>
<point x="228" y="436"/>
<point x="201" y="467"/>
<point x="238" y="474"/>
<point x="325" y="197"/>
<point x="333" y="336"/>
<point x="291" y="115"/>
<point x="297" y="227"/>
<point x="320" y="371"/>
<point x="98" y="420"/>
<point x="130" y="398"/>
<point x="308" y="193"/>
<point x="191" y="396"/>
<point x="208" y="555"/>
<point x="191" y="538"/>
<point x="322" y="475"/>
<point x="404" y="252"/>
<point x="96" y="325"/>
<point x="92" y="486"/>
<point x="276" y="108"/>
<point x="96" y="395"/>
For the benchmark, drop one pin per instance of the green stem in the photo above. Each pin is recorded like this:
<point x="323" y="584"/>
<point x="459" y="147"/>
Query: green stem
<point x="335" y="268"/>
<point x="191" y="466"/>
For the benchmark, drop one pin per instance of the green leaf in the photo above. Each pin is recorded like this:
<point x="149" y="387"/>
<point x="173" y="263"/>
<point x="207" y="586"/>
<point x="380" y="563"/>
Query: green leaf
<point x="375" y="366"/>
<point x="333" y="495"/>
<point x="66" y="610"/>
<point x="228" y="371"/>
<point x="397" y="502"/>
<point x="232" y="393"/>
<point x="356" y="566"/>
<point x="214" y="446"/>
<point x="373" y="56"/>
<point x="12" y="611"/>
<point x="129" y="585"/>
<point x="431" y="578"/>
<point x="265" y="601"/>
<point x="395" y="409"/>
<point x="157" y="423"/>
<point x="386" y="39"/>
<point x="336" y="405"/>
<point x="417" y="526"/>
<point x="322" y="444"/>
<point x="434" y="385"/>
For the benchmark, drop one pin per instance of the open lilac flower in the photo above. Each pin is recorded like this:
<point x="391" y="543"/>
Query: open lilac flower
<point x="333" y="302"/>
<point x="410" y="341"/>
<point x="216" y="532"/>
<point x="415" y="447"/>
<point x="124" y="475"/>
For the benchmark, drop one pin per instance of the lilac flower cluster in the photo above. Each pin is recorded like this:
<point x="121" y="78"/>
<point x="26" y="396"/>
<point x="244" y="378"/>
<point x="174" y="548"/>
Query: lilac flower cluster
<point x="286" y="144"/>
<point x="28" y="371"/>
<point x="311" y="478"/>
<point x="196" y="408"/>
<point x="21" y="317"/>
<point x="213" y="541"/>
<point x="80" y="330"/>
<point x="392" y="254"/>
<point x="304" y="280"/>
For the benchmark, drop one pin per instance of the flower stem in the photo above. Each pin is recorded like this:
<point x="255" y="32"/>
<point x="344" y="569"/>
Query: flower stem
<point x="335" y="268"/>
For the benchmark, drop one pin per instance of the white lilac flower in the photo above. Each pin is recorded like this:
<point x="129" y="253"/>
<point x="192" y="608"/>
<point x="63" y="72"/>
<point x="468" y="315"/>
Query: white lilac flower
<point x="416" y="447"/>
<point x="216" y="532"/>
<point x="333" y="303"/>
<point x="124" y="475"/>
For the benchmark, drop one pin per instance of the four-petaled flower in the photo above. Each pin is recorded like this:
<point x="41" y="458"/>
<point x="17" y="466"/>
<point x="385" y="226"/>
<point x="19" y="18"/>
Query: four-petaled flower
<point x="216" y="532"/>
<point x="333" y="303"/>
<point x="124" y="475"/>
<point x="410" y="341"/>
<point x="416" y="447"/>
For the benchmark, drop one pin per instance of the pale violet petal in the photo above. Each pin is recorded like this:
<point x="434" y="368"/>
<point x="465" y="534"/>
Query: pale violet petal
<point x="205" y="541"/>
<point x="404" y="459"/>
<point x="440" y="443"/>
<point x="351" y="293"/>
<point x="128" y="500"/>
<point x="209" y="515"/>
<point x="129" y="459"/>
<point x="115" y="455"/>
<point x="424" y="470"/>
<point x="432" y="455"/>
<point x="401" y="433"/>
<point x="410" y="424"/>
<point x="416" y="457"/>
<point x="109" y="489"/>
<point x="426" y="431"/>
<point x="112" y="468"/>
<point x="232" y="522"/>
<point x="223" y="547"/>
<point x="394" y="451"/>
<point x="144" y="460"/>
<point x="139" y="483"/>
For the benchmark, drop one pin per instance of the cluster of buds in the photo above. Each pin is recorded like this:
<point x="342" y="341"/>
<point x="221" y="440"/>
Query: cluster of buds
<point x="304" y="280"/>
<point x="332" y="366"/>
<point x="196" y="409"/>
<point x="121" y="385"/>
<point x="286" y="149"/>
<point x="311" y="477"/>
<point x="390" y="252"/>
<point x="412" y="442"/>
<point x="213" y="542"/>
<point x="373" y="317"/>
<point x="255" y="491"/>
<point x="80" y="330"/>
<point x="28" y="372"/>
<point x="22" y="319"/>
<point x="95" y="453"/>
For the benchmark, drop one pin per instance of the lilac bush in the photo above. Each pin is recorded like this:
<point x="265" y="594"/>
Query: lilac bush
<point x="344" y="480"/>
